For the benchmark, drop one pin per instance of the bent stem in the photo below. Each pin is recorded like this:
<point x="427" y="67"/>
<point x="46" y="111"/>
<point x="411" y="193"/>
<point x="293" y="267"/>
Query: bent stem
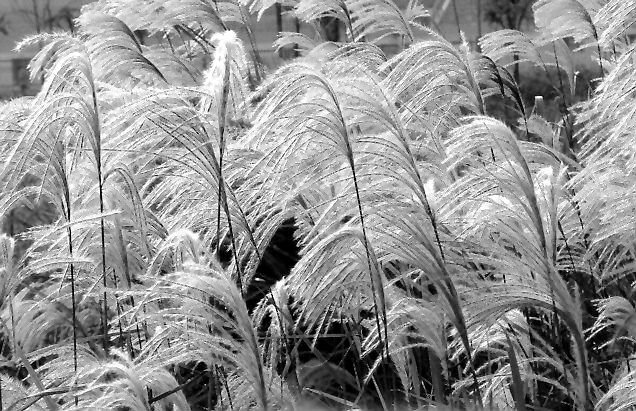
<point x="35" y="378"/>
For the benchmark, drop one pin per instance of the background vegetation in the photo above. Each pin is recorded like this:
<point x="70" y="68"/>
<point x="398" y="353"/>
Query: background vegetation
<point x="349" y="231"/>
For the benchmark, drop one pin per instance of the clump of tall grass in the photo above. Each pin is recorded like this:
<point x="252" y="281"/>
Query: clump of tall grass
<point x="350" y="230"/>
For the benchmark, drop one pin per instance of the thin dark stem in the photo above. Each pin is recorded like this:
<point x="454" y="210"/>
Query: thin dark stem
<point x="600" y="54"/>
<point x="349" y="23"/>
<point x="126" y="340"/>
<point x="221" y="114"/>
<point x="383" y="344"/>
<point x="222" y="195"/>
<point x="227" y="388"/>
<point x="97" y="149"/>
<point x="256" y="58"/>
<point x="153" y="399"/>
<point x="69" y="233"/>
<point x="218" y="212"/>
<point x="103" y="251"/>
<point x="376" y="289"/>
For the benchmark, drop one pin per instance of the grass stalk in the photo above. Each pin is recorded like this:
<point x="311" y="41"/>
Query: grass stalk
<point x="256" y="56"/>
<point x="376" y="289"/>
<point x="103" y="255"/>
<point x="436" y="377"/>
<point x="227" y="388"/>
<point x="221" y="117"/>
<point x="518" y="392"/>
<point x="69" y="233"/>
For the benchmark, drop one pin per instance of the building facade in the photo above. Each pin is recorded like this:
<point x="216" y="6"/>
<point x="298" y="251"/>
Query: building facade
<point x="20" y="18"/>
